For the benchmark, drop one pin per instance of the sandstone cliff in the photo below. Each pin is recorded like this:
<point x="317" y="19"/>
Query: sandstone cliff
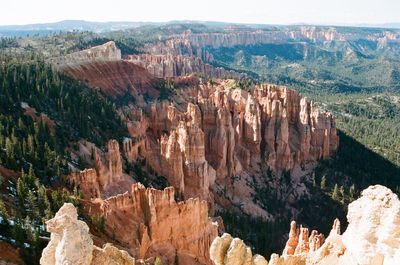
<point x="372" y="238"/>
<point x="150" y="223"/>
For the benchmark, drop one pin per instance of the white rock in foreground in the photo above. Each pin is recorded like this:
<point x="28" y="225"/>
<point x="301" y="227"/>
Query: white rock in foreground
<point x="71" y="244"/>
<point x="372" y="237"/>
<point x="70" y="241"/>
<point x="373" y="234"/>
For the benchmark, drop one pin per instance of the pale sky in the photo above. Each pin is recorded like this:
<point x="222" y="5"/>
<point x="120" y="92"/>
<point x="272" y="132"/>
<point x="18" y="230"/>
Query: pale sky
<point x="240" y="11"/>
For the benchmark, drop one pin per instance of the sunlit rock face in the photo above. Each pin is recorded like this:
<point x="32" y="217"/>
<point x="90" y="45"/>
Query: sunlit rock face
<point x="216" y="131"/>
<point x="226" y="250"/>
<point x="373" y="234"/>
<point x="371" y="238"/>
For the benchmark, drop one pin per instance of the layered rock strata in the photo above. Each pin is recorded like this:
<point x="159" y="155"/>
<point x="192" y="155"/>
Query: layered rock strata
<point x="102" y="67"/>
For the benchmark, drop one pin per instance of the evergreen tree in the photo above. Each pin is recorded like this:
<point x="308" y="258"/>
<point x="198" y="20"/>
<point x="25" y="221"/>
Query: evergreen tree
<point x="323" y="182"/>
<point x="352" y="192"/>
<point x="335" y="193"/>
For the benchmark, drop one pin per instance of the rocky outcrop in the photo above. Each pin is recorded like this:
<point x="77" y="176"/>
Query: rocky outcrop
<point x="197" y="44"/>
<point x="301" y="242"/>
<point x="31" y="112"/>
<point x="167" y="66"/>
<point x="110" y="255"/>
<point x="184" y="152"/>
<point x="373" y="233"/>
<point x="134" y="147"/>
<point x="150" y="223"/>
<point x="226" y="250"/>
<point x="371" y="238"/>
<point x="70" y="242"/>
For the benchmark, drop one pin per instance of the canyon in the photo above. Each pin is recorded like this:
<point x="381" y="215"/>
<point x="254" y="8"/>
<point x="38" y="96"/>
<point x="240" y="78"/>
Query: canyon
<point x="371" y="237"/>
<point x="211" y="140"/>
<point x="179" y="154"/>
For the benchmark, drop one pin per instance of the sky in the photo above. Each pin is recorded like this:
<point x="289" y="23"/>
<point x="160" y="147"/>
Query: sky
<point x="334" y="12"/>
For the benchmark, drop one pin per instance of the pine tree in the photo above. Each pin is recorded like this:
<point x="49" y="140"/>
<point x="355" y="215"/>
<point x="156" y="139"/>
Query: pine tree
<point x="323" y="182"/>
<point x="313" y="180"/>
<point x="352" y="192"/>
<point x="335" y="193"/>
<point x="157" y="261"/>
<point x="342" y="195"/>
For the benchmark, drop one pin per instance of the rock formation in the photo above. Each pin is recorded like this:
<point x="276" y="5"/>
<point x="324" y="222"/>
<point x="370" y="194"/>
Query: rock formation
<point x="106" y="52"/>
<point x="106" y="177"/>
<point x="115" y="78"/>
<point x="211" y="132"/>
<point x="110" y="255"/>
<point x="150" y="223"/>
<point x="102" y="67"/>
<point x="214" y="127"/>
<point x="373" y="234"/>
<point x="167" y="66"/>
<point x="197" y="44"/>
<point x="301" y="242"/>
<point x="371" y="238"/>
<point x="226" y="250"/>
<point x="70" y="241"/>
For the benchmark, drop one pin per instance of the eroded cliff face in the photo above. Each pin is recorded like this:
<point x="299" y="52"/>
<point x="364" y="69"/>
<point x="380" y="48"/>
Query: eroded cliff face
<point x="215" y="132"/>
<point x="211" y="140"/>
<point x="212" y="134"/>
<point x="371" y="238"/>
<point x="150" y="223"/>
